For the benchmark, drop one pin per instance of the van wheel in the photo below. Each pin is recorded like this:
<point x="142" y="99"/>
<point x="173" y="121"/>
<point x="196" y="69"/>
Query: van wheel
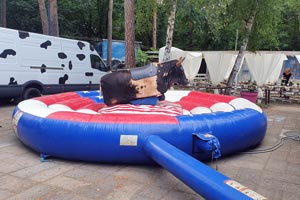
<point x="31" y="93"/>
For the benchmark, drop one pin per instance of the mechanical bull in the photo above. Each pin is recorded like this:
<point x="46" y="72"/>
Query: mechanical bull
<point x="123" y="86"/>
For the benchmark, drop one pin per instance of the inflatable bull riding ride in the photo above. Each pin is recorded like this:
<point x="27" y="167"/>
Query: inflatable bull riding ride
<point x="119" y="127"/>
<point x="124" y="86"/>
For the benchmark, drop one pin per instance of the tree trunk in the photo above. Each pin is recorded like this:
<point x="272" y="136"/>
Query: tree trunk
<point x="154" y="26"/>
<point x="44" y="17"/>
<point x="109" y="32"/>
<point x="170" y="30"/>
<point x="129" y="33"/>
<point x="3" y="13"/>
<point x="53" y="18"/>
<point x="238" y="62"/>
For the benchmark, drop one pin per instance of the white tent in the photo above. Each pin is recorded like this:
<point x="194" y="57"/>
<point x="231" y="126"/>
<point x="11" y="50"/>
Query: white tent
<point x="265" y="67"/>
<point x="175" y="53"/>
<point x="191" y="64"/>
<point x="219" y="65"/>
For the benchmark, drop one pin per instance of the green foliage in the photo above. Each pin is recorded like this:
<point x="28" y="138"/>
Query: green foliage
<point x="141" y="59"/>
<point x="81" y="19"/>
<point x="144" y="13"/>
<point x="289" y="26"/>
<point x="23" y="15"/>
<point x="118" y="20"/>
<point x="265" y="30"/>
<point x="199" y="24"/>
<point x="189" y="26"/>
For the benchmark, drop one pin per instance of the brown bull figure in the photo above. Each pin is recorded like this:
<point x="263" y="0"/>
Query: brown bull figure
<point x="123" y="86"/>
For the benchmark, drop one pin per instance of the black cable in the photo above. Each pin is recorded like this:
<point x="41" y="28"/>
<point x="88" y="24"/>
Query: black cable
<point x="295" y="137"/>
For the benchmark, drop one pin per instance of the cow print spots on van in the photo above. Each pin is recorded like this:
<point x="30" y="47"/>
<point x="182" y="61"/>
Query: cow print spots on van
<point x="62" y="55"/>
<point x="70" y="65"/>
<point x="80" y="56"/>
<point x="62" y="80"/>
<point x="92" y="48"/>
<point x="12" y="81"/>
<point x="80" y="45"/>
<point x="23" y="34"/>
<point x="7" y="52"/>
<point x="43" y="68"/>
<point x="46" y="44"/>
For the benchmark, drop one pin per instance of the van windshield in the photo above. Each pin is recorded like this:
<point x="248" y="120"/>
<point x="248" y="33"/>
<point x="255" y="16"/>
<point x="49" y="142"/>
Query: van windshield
<point x="97" y="63"/>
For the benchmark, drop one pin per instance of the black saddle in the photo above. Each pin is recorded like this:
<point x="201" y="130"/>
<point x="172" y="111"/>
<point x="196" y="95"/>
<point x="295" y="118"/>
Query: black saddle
<point x="143" y="72"/>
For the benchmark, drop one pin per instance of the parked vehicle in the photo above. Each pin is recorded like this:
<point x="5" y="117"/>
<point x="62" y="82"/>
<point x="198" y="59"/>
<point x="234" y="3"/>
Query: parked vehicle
<point x="33" y="64"/>
<point x="118" y="52"/>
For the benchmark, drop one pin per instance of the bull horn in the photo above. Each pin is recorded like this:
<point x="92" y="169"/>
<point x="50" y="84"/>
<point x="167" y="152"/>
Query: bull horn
<point x="179" y="62"/>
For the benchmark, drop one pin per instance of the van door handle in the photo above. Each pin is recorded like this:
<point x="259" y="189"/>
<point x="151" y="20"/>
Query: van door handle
<point x="89" y="74"/>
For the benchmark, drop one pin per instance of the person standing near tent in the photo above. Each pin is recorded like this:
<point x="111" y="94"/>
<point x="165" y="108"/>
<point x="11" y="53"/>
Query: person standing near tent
<point x="286" y="76"/>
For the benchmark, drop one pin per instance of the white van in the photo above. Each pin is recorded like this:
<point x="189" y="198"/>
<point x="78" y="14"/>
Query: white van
<point x="34" y="64"/>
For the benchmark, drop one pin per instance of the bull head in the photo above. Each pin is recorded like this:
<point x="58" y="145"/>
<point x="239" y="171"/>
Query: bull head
<point x="179" y="62"/>
<point x="170" y="72"/>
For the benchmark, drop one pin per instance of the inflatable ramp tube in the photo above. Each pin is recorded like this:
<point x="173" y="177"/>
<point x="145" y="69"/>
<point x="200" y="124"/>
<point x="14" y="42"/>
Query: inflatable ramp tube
<point x="204" y="180"/>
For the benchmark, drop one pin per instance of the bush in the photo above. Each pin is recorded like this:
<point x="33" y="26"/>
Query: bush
<point x="142" y="58"/>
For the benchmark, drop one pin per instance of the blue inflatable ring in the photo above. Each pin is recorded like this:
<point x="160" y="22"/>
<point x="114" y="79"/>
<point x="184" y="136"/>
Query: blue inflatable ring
<point x="78" y="126"/>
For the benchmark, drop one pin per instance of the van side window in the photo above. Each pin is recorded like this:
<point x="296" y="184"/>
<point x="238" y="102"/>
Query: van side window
<point x="97" y="63"/>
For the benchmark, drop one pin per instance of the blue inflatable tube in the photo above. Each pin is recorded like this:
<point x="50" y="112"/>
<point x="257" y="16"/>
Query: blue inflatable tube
<point x="201" y="178"/>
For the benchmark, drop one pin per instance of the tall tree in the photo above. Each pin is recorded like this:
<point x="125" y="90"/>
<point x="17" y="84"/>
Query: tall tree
<point x="44" y="17"/>
<point x="53" y="18"/>
<point x="154" y="26"/>
<point x="170" y="30"/>
<point x="154" y="22"/>
<point x="129" y="33"/>
<point x="3" y="13"/>
<point x="248" y="21"/>
<point x="257" y="15"/>
<point x="109" y="32"/>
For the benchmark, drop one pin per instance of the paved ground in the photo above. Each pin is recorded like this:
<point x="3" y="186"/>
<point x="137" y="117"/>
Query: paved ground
<point x="275" y="175"/>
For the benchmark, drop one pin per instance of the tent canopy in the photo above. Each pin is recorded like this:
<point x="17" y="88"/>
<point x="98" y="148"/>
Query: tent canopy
<point x="219" y="65"/>
<point x="191" y="64"/>
<point x="265" y="67"/>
